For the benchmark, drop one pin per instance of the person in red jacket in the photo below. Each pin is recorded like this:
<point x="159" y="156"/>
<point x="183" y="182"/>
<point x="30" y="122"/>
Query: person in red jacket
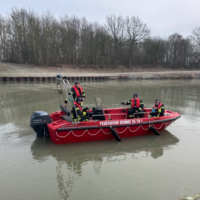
<point x="136" y="107"/>
<point x="77" y="91"/>
<point x="158" y="109"/>
<point x="80" y="114"/>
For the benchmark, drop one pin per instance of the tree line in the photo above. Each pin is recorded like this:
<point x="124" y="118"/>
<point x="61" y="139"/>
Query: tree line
<point x="27" y="37"/>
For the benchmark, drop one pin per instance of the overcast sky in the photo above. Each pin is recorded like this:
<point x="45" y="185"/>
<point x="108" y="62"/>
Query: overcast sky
<point x="163" y="17"/>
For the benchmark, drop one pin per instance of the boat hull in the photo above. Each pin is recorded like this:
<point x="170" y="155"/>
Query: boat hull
<point x="61" y="131"/>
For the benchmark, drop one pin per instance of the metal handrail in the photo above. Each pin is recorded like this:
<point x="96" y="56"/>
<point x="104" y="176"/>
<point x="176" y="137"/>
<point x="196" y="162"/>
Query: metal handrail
<point x="66" y="84"/>
<point x="93" y="105"/>
<point x="144" y="113"/>
<point x="110" y="114"/>
<point x="117" y="104"/>
<point x="68" y="96"/>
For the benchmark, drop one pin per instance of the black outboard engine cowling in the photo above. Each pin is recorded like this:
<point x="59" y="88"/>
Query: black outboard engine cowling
<point x="39" y="121"/>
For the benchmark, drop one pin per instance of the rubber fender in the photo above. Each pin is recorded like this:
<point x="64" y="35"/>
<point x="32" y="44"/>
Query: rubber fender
<point x="117" y="138"/>
<point x="154" y="130"/>
<point x="64" y="109"/>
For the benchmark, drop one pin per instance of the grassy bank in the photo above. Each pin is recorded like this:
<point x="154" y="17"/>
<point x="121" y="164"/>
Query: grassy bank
<point x="122" y="72"/>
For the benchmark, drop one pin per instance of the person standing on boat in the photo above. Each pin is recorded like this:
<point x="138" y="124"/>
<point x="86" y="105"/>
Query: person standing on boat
<point x="82" y="114"/>
<point x="77" y="91"/>
<point x="158" y="109"/>
<point x="136" y="107"/>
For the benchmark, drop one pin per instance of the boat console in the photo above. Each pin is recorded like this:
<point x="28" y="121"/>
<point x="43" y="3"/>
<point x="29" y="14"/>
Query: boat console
<point x="98" y="113"/>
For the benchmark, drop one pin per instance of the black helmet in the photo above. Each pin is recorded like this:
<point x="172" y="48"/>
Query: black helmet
<point x="66" y="101"/>
<point x="77" y="82"/>
<point x="135" y="95"/>
<point x="79" y="99"/>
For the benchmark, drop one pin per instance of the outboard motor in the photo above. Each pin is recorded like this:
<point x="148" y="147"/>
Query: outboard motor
<point x="39" y="121"/>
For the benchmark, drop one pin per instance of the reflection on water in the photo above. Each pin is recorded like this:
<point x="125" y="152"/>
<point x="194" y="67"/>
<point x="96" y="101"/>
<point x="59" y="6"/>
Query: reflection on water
<point x="97" y="150"/>
<point x="146" y="167"/>
<point x="72" y="157"/>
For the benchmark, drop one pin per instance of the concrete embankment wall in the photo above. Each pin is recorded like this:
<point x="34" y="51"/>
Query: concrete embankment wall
<point x="44" y="77"/>
<point x="102" y="76"/>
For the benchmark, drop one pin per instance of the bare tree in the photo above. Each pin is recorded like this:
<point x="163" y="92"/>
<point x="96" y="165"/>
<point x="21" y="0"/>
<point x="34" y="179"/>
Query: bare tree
<point x="2" y="36"/>
<point x="196" y="42"/>
<point x="47" y="21"/>
<point x="18" y="23"/>
<point x="178" y="47"/>
<point x="154" y="51"/>
<point x="137" y="31"/>
<point x="115" y="28"/>
<point x="41" y="39"/>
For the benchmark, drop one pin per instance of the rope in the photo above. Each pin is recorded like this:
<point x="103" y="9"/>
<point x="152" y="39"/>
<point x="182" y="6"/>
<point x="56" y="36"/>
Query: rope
<point x="79" y="135"/>
<point x="156" y="127"/>
<point x="95" y="133"/>
<point x="134" y="130"/>
<point x="62" y="136"/>
<point x="128" y="127"/>
<point x="144" y="128"/>
<point x="104" y="132"/>
<point x="167" y="124"/>
<point x="122" y="131"/>
<point x="101" y="129"/>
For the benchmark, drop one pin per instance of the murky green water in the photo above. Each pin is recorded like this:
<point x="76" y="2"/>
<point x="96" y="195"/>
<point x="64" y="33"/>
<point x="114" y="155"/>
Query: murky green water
<point x="147" y="167"/>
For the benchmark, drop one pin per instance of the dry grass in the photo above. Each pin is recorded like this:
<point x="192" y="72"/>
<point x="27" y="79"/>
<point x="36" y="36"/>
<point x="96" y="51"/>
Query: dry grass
<point x="122" y="72"/>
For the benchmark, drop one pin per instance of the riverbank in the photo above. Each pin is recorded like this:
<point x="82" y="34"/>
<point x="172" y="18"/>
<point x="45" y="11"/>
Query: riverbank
<point x="16" y="72"/>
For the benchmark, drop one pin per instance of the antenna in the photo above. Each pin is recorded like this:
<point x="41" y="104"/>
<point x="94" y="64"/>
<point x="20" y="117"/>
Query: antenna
<point x="59" y="75"/>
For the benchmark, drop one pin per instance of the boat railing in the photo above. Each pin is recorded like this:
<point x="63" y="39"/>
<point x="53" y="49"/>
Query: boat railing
<point x="63" y="85"/>
<point x="117" y="114"/>
<point x="122" y="105"/>
<point x="148" y="113"/>
<point x="94" y="105"/>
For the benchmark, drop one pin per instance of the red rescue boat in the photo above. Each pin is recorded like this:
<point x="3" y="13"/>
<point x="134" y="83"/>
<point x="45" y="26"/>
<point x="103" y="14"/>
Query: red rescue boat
<point x="111" y="123"/>
<point x="116" y="121"/>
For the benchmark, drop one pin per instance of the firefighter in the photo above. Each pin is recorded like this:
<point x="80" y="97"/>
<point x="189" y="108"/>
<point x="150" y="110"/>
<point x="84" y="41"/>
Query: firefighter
<point x="77" y="91"/>
<point x="158" y="109"/>
<point x="136" y="107"/>
<point x="82" y="114"/>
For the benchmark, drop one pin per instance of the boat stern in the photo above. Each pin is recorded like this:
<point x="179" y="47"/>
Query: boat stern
<point x="39" y="121"/>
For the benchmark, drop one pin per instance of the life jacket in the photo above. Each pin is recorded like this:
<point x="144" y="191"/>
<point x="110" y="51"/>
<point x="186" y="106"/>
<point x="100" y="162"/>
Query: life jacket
<point x="137" y="103"/>
<point x="77" y="91"/>
<point x="159" y="106"/>
<point x="78" y="105"/>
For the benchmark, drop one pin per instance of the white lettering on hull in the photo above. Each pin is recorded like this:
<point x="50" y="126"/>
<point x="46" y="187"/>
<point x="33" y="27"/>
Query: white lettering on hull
<point x="121" y="122"/>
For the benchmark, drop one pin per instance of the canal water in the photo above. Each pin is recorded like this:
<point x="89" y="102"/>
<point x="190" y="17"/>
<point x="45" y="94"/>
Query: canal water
<point x="145" y="167"/>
